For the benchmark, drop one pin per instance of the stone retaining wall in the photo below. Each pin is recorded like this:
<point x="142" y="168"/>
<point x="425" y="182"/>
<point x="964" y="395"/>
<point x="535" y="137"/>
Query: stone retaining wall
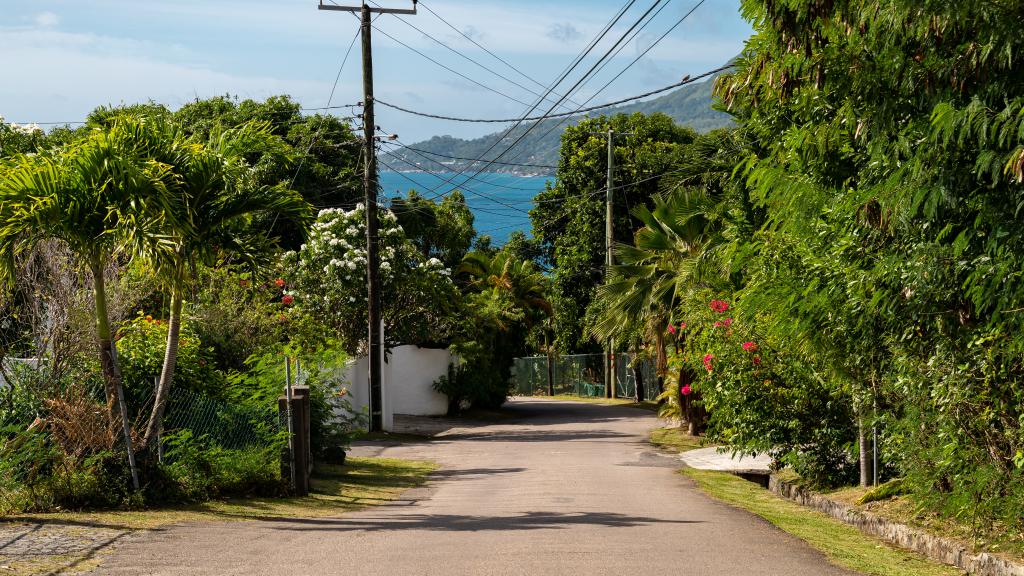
<point x="935" y="547"/>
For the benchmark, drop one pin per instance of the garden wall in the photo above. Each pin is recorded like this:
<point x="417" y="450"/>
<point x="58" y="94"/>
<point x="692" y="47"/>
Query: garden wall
<point x="408" y="377"/>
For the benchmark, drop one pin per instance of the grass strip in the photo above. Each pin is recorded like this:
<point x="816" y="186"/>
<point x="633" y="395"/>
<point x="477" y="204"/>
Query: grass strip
<point x="361" y="483"/>
<point x="675" y="440"/>
<point x="841" y="543"/>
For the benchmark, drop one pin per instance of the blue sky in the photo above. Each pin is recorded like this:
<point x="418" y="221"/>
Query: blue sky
<point x="62" y="58"/>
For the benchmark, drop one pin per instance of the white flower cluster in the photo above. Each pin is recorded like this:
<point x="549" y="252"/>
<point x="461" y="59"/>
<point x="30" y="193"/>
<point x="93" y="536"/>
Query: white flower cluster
<point x="28" y="129"/>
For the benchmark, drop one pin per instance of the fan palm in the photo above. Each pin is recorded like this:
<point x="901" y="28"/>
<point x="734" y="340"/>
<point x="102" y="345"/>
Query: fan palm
<point x="101" y="196"/>
<point x="215" y="214"/>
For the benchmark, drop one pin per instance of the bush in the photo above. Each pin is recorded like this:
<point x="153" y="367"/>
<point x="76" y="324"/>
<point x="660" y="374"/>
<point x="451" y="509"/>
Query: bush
<point x="198" y="470"/>
<point x="141" y="347"/>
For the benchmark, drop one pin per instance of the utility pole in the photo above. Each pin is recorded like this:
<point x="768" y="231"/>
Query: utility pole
<point x="374" y="345"/>
<point x="610" y="361"/>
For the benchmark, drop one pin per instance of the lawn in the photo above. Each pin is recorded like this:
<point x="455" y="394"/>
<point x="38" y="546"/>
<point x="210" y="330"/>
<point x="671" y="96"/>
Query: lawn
<point x="841" y="543"/>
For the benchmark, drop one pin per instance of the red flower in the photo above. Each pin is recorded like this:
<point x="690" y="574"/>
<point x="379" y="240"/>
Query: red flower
<point x="685" y="390"/>
<point x="727" y="322"/>
<point x="718" y="324"/>
<point x="749" y="346"/>
<point x="707" y="361"/>
<point x="719" y="306"/>
<point x="288" y="299"/>
<point x="671" y="329"/>
<point x="279" y="282"/>
<point x="682" y="326"/>
<point x="756" y="360"/>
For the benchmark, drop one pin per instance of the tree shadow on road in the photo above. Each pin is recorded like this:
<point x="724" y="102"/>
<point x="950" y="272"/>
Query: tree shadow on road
<point x="462" y="523"/>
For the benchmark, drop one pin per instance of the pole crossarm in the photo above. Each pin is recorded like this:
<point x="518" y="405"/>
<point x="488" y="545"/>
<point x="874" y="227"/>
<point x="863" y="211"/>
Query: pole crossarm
<point x="337" y="8"/>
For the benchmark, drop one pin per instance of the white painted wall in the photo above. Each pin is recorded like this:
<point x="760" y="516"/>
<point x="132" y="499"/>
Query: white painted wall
<point x="408" y="377"/>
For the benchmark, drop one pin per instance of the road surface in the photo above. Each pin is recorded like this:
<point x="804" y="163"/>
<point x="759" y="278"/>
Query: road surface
<point x="562" y="488"/>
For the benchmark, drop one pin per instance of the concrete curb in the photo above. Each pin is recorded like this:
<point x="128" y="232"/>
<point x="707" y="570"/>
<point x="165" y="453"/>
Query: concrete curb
<point x="935" y="547"/>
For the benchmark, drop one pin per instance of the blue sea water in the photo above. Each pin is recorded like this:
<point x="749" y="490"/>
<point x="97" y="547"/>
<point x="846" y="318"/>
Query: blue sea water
<point x="499" y="202"/>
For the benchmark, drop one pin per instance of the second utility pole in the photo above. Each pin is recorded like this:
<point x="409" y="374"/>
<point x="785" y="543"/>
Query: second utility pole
<point x="374" y="344"/>
<point x="610" y="361"/>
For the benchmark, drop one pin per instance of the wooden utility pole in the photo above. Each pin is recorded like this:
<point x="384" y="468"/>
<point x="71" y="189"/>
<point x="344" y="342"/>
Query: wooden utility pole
<point x="610" y="361"/>
<point x="374" y="345"/>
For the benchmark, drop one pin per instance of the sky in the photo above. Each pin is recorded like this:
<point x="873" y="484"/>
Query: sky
<point x="62" y="58"/>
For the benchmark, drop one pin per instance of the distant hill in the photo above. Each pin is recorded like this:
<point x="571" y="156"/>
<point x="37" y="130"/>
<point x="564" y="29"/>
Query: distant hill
<point x="690" y="105"/>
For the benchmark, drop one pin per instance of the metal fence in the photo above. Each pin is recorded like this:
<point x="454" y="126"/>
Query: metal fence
<point x="582" y="375"/>
<point x="220" y="423"/>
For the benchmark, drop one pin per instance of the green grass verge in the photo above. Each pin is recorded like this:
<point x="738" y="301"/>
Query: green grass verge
<point x="362" y="482"/>
<point x="675" y="440"/>
<point x="841" y="543"/>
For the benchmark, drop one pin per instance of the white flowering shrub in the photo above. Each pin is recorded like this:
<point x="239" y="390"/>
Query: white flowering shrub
<point x="419" y="300"/>
<point x="16" y="138"/>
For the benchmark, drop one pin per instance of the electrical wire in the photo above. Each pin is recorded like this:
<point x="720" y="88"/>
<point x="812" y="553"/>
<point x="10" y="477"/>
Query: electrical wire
<point x="585" y="76"/>
<point x="474" y="159"/>
<point x="484" y="48"/>
<point x="565" y="74"/>
<point x="463" y="56"/>
<point x="683" y="82"/>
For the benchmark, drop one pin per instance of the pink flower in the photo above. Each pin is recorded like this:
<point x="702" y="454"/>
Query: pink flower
<point x="727" y="322"/>
<point x="718" y="324"/>
<point x="719" y="306"/>
<point x="682" y="326"/>
<point x="671" y="329"/>
<point x="685" y="390"/>
<point x="287" y="299"/>
<point x="707" y="361"/>
<point x="749" y="346"/>
<point x="756" y="360"/>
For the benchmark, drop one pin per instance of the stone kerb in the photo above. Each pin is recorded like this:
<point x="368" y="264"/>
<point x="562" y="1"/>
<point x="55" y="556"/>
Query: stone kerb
<point x="937" y="548"/>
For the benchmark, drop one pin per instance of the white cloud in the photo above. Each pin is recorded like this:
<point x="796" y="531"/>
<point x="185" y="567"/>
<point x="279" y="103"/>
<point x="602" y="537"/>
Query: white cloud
<point x="46" y="20"/>
<point x="72" y="73"/>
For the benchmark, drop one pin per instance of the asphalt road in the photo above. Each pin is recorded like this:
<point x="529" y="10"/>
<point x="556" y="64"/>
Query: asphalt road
<point x="563" y="488"/>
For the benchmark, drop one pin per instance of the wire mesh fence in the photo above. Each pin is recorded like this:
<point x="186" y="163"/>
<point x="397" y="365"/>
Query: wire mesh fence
<point x="226" y="425"/>
<point x="583" y="375"/>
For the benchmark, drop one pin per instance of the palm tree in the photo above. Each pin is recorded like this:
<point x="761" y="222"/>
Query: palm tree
<point x="517" y="282"/>
<point x="101" y="196"/>
<point x="215" y="220"/>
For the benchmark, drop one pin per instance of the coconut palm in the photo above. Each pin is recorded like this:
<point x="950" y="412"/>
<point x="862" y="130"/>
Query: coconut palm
<point x="215" y="220"/>
<point x="518" y="283"/>
<point x="101" y="196"/>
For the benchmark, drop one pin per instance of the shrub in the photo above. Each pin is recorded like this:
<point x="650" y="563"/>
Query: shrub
<point x="141" y="346"/>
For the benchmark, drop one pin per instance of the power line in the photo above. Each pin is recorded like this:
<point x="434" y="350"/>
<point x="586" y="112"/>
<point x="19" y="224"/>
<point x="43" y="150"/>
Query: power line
<point x="474" y="159"/>
<point x="637" y="59"/>
<point x="484" y="48"/>
<point x="565" y="74"/>
<point x="452" y="70"/>
<point x="465" y="57"/>
<point x="683" y="82"/>
<point x="482" y="181"/>
<point x="574" y="87"/>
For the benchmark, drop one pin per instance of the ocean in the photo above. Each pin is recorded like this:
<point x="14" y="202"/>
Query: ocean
<point x="499" y="202"/>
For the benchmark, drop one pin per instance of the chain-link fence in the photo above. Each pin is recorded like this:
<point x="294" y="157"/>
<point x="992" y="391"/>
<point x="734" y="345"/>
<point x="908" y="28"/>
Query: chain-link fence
<point x="583" y="375"/>
<point x="220" y="423"/>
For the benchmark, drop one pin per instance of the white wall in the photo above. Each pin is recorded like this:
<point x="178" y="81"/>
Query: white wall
<point x="407" y="377"/>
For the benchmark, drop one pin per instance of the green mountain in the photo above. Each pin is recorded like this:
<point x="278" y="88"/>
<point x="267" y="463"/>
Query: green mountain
<point x="690" y="105"/>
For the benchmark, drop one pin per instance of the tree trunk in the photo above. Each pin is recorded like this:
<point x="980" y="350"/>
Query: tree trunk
<point x="111" y="371"/>
<point x="163" y="389"/>
<point x="865" y="463"/>
<point x="638" y="377"/>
